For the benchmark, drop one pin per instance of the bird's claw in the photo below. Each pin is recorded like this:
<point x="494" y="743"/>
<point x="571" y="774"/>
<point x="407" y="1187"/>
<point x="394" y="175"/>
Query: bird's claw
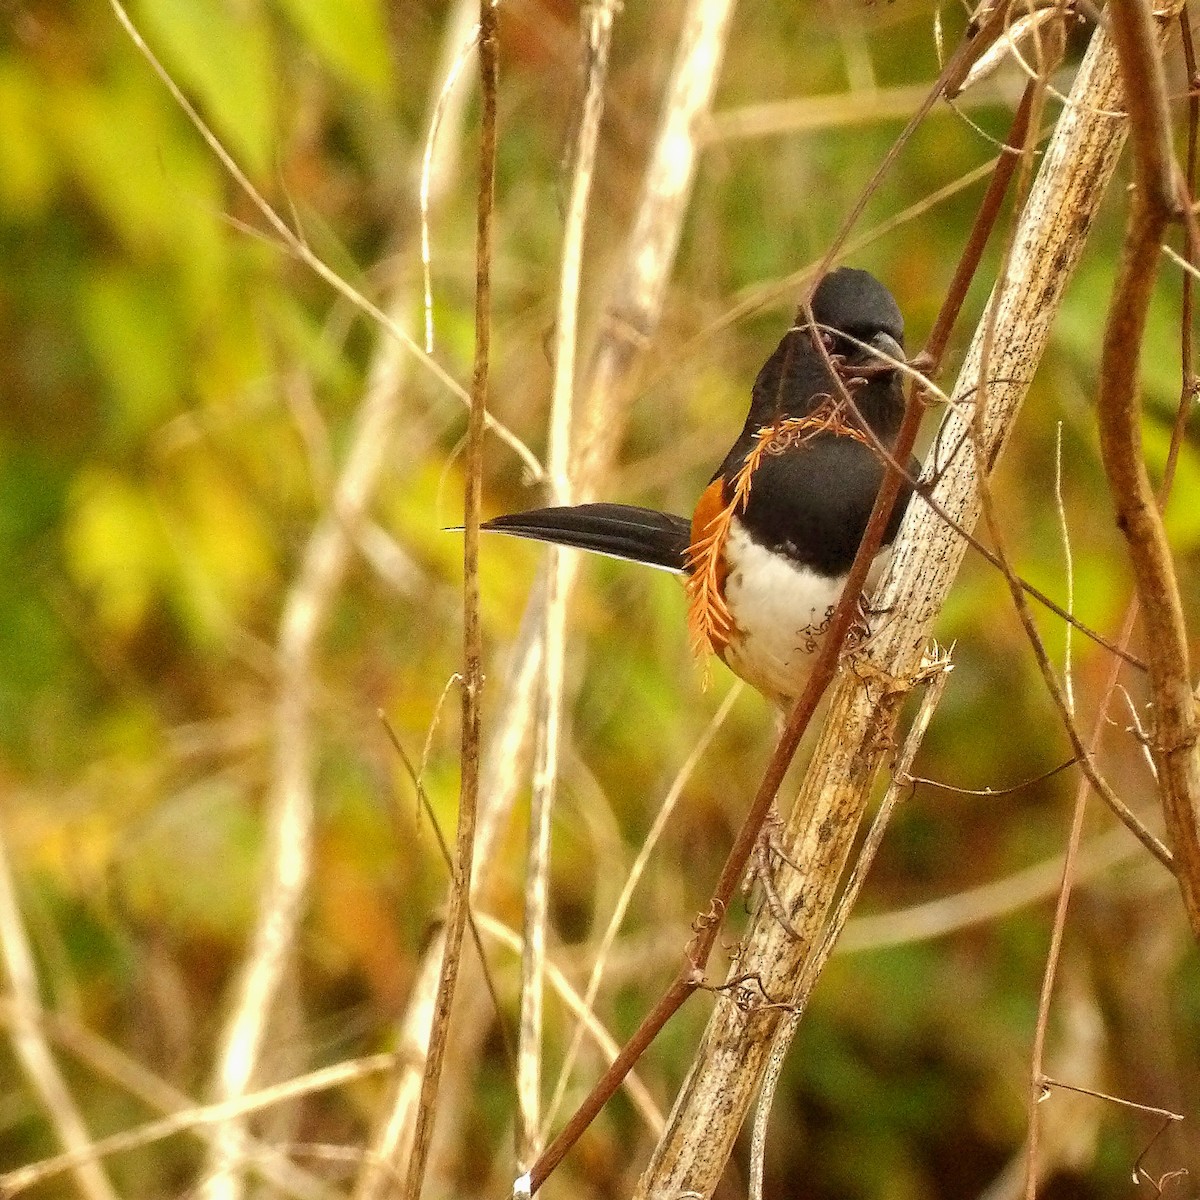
<point x="767" y="850"/>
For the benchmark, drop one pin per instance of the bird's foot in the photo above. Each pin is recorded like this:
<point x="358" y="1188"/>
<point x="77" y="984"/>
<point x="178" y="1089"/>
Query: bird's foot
<point x="768" y="851"/>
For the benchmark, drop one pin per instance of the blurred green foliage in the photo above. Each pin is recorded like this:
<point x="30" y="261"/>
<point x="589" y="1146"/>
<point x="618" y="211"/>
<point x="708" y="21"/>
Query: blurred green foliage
<point x="177" y="398"/>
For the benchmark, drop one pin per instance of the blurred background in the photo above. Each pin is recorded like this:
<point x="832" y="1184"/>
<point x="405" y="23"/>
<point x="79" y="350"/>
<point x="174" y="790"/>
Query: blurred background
<point x="179" y="395"/>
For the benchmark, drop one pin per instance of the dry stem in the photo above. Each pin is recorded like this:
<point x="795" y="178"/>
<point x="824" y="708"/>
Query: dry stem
<point x="472" y="673"/>
<point x="1154" y="204"/>
<point x="598" y="23"/>
<point x="32" y="1051"/>
<point x="581" y="1008"/>
<point x="630" y="317"/>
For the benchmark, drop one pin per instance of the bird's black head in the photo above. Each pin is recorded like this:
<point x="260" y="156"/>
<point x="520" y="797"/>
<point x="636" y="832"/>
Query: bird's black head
<point x="846" y="304"/>
<point x="855" y="302"/>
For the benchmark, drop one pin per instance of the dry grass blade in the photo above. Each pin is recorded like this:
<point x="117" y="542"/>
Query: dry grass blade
<point x="414" y="776"/>
<point x="390" y="1141"/>
<point x="223" y="1113"/>
<point x="33" y="1053"/>
<point x="986" y="903"/>
<point x="636" y="872"/>
<point x="813" y="113"/>
<point x="597" y="24"/>
<point x="463" y="33"/>
<point x="589" y="1024"/>
<point x="299" y="248"/>
<point x="113" y="1064"/>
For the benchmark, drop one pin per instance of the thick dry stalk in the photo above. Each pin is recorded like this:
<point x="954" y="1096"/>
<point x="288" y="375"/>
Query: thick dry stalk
<point x="1174" y="739"/>
<point x="633" y="310"/>
<point x="597" y="22"/>
<point x="897" y="790"/>
<point x="867" y="697"/>
<point x="472" y="672"/>
<point x="31" y="1050"/>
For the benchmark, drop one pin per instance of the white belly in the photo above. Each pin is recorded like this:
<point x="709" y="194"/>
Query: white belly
<point x="781" y="611"/>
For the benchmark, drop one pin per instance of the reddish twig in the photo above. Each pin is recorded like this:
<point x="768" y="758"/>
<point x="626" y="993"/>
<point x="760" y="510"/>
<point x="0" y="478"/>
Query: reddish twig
<point x="1153" y="206"/>
<point x="1187" y="391"/>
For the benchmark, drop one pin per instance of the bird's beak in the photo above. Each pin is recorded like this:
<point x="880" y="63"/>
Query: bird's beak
<point x="887" y="350"/>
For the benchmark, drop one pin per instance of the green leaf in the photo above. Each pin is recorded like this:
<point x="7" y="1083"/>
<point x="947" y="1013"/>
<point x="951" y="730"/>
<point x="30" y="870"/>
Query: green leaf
<point x="350" y="35"/>
<point x="158" y="191"/>
<point x="1182" y="518"/>
<point x="27" y="168"/>
<point x="130" y="325"/>
<point x="223" y="53"/>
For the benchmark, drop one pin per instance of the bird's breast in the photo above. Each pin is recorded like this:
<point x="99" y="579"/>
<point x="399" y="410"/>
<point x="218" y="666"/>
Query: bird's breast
<point x="781" y="611"/>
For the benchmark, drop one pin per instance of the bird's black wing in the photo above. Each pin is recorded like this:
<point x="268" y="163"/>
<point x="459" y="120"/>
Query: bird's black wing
<point x="619" y="530"/>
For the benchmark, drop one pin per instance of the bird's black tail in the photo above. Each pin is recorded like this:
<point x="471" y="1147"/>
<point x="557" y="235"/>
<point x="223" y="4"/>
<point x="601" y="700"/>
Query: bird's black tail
<point x="618" y="530"/>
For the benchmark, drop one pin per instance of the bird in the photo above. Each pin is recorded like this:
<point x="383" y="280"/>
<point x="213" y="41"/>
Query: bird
<point x="767" y="550"/>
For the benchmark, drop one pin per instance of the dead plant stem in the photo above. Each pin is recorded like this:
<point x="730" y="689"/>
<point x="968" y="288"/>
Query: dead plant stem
<point x="1154" y="204"/>
<point x="597" y="26"/>
<point x="472" y="682"/>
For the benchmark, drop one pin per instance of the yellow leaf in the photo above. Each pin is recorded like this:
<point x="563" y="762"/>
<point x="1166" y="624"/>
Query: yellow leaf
<point x="115" y="547"/>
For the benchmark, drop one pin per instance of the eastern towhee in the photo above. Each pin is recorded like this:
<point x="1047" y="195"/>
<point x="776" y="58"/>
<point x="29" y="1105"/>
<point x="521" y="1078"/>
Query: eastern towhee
<point x="768" y="548"/>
